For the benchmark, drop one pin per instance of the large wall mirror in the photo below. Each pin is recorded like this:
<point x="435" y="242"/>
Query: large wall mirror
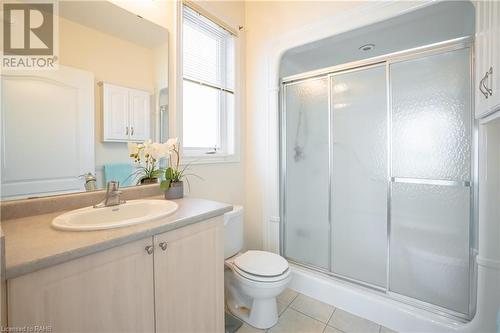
<point x="63" y="128"/>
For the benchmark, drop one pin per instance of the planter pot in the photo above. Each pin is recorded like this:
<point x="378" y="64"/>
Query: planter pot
<point x="145" y="181"/>
<point x="176" y="191"/>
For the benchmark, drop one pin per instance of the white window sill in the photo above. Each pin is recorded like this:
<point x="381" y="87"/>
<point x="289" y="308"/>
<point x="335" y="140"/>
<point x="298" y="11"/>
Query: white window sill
<point x="210" y="159"/>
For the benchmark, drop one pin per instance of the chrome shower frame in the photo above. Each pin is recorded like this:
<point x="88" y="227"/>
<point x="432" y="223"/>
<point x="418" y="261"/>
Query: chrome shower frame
<point x="387" y="60"/>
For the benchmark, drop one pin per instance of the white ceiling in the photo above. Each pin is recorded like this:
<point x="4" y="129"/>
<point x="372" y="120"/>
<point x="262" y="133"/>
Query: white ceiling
<point x="111" y="19"/>
<point x="436" y="23"/>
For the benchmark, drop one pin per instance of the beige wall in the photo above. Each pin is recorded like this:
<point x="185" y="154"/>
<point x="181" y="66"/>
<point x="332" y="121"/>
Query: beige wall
<point x="113" y="60"/>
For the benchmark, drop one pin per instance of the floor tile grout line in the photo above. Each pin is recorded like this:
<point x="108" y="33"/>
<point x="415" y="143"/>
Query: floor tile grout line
<point x="334" y="309"/>
<point x="286" y="308"/>
<point x="290" y="303"/>
<point x="338" y="329"/>
<point x="305" y="314"/>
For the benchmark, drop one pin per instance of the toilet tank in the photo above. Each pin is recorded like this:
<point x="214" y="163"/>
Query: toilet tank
<point x="233" y="231"/>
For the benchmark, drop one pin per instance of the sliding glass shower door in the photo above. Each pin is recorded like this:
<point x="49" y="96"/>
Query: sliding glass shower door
<point x="307" y="178"/>
<point x="431" y="179"/>
<point x="377" y="176"/>
<point x="360" y="174"/>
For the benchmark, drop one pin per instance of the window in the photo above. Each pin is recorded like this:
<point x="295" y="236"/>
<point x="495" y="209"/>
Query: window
<point x="208" y="87"/>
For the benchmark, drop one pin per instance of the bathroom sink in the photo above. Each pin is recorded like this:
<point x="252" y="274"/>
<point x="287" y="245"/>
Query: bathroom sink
<point x="129" y="213"/>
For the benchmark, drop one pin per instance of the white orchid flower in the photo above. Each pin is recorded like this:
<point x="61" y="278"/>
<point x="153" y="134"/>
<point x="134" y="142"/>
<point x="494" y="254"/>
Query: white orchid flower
<point x="133" y="148"/>
<point x="158" y="150"/>
<point x="172" y="143"/>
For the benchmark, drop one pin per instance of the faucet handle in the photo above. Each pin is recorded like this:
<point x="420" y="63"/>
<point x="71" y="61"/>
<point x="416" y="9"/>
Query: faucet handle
<point x="112" y="186"/>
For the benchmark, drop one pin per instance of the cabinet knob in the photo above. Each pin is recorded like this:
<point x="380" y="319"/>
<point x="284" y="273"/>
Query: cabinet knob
<point x="163" y="246"/>
<point x="132" y="130"/>
<point x="149" y="249"/>
<point x="126" y="130"/>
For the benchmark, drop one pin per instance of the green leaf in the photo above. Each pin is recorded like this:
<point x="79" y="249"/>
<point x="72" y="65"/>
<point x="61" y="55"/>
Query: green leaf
<point x="165" y="185"/>
<point x="156" y="173"/>
<point x="169" y="174"/>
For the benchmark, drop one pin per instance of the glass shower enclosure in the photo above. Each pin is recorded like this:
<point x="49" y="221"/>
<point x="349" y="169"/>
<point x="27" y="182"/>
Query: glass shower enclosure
<point x="377" y="175"/>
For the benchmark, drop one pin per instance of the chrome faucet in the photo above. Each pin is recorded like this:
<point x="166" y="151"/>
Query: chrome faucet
<point x="112" y="195"/>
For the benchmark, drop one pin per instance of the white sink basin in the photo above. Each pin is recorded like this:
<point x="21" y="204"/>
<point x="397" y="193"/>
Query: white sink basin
<point x="129" y="213"/>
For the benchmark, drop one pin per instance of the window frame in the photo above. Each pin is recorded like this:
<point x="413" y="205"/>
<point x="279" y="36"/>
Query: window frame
<point x="227" y="149"/>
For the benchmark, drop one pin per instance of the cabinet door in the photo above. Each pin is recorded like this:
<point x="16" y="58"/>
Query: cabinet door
<point x="116" y="107"/>
<point x="494" y="43"/>
<point x="110" y="291"/>
<point x="140" y="115"/>
<point x="482" y="56"/>
<point x="56" y="118"/>
<point x="189" y="280"/>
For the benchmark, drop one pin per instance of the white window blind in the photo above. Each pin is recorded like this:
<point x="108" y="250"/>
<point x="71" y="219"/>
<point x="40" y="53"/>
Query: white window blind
<point x="208" y="89"/>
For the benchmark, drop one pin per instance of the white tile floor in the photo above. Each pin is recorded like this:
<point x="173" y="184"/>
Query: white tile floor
<point x="302" y="314"/>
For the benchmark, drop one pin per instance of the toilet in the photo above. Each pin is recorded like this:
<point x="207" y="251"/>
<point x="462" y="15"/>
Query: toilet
<point x="252" y="279"/>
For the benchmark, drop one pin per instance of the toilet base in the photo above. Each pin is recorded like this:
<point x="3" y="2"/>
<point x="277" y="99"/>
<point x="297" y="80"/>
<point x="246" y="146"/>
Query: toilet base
<point x="263" y="313"/>
<point x="253" y="302"/>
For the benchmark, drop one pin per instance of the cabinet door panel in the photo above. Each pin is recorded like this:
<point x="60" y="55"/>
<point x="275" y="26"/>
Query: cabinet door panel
<point x="189" y="282"/>
<point x="487" y="46"/>
<point x="494" y="42"/>
<point x="115" y="113"/>
<point x="140" y="114"/>
<point x="110" y="291"/>
<point x="482" y="56"/>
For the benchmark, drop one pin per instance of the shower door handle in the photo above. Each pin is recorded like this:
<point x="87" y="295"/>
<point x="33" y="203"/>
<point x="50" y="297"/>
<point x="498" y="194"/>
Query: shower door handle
<point x="425" y="181"/>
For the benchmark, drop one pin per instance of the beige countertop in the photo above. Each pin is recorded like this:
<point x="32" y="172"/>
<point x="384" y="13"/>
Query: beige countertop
<point x="31" y="243"/>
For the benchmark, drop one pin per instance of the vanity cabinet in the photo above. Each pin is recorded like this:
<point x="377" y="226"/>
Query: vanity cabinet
<point x="487" y="57"/>
<point x="126" y="114"/>
<point x="110" y="291"/>
<point x="189" y="279"/>
<point x="171" y="282"/>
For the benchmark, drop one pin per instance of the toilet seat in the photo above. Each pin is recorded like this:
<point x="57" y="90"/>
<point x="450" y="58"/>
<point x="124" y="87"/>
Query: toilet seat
<point x="260" y="266"/>
<point x="258" y="278"/>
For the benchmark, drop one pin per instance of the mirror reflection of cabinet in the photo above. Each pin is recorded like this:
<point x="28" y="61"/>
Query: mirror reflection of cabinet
<point x="47" y="125"/>
<point x="126" y="114"/>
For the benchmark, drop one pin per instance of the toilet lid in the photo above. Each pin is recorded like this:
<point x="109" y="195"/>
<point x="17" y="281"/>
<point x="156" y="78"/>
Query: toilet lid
<point x="261" y="263"/>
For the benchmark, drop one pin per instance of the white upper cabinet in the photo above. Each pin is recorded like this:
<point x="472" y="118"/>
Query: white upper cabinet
<point x="139" y="115"/>
<point x="487" y="84"/>
<point x="115" y="113"/>
<point x="126" y="114"/>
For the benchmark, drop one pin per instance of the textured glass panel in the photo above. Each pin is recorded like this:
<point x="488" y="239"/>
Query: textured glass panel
<point x="307" y="177"/>
<point x="429" y="244"/>
<point x="431" y="117"/>
<point x="359" y="204"/>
